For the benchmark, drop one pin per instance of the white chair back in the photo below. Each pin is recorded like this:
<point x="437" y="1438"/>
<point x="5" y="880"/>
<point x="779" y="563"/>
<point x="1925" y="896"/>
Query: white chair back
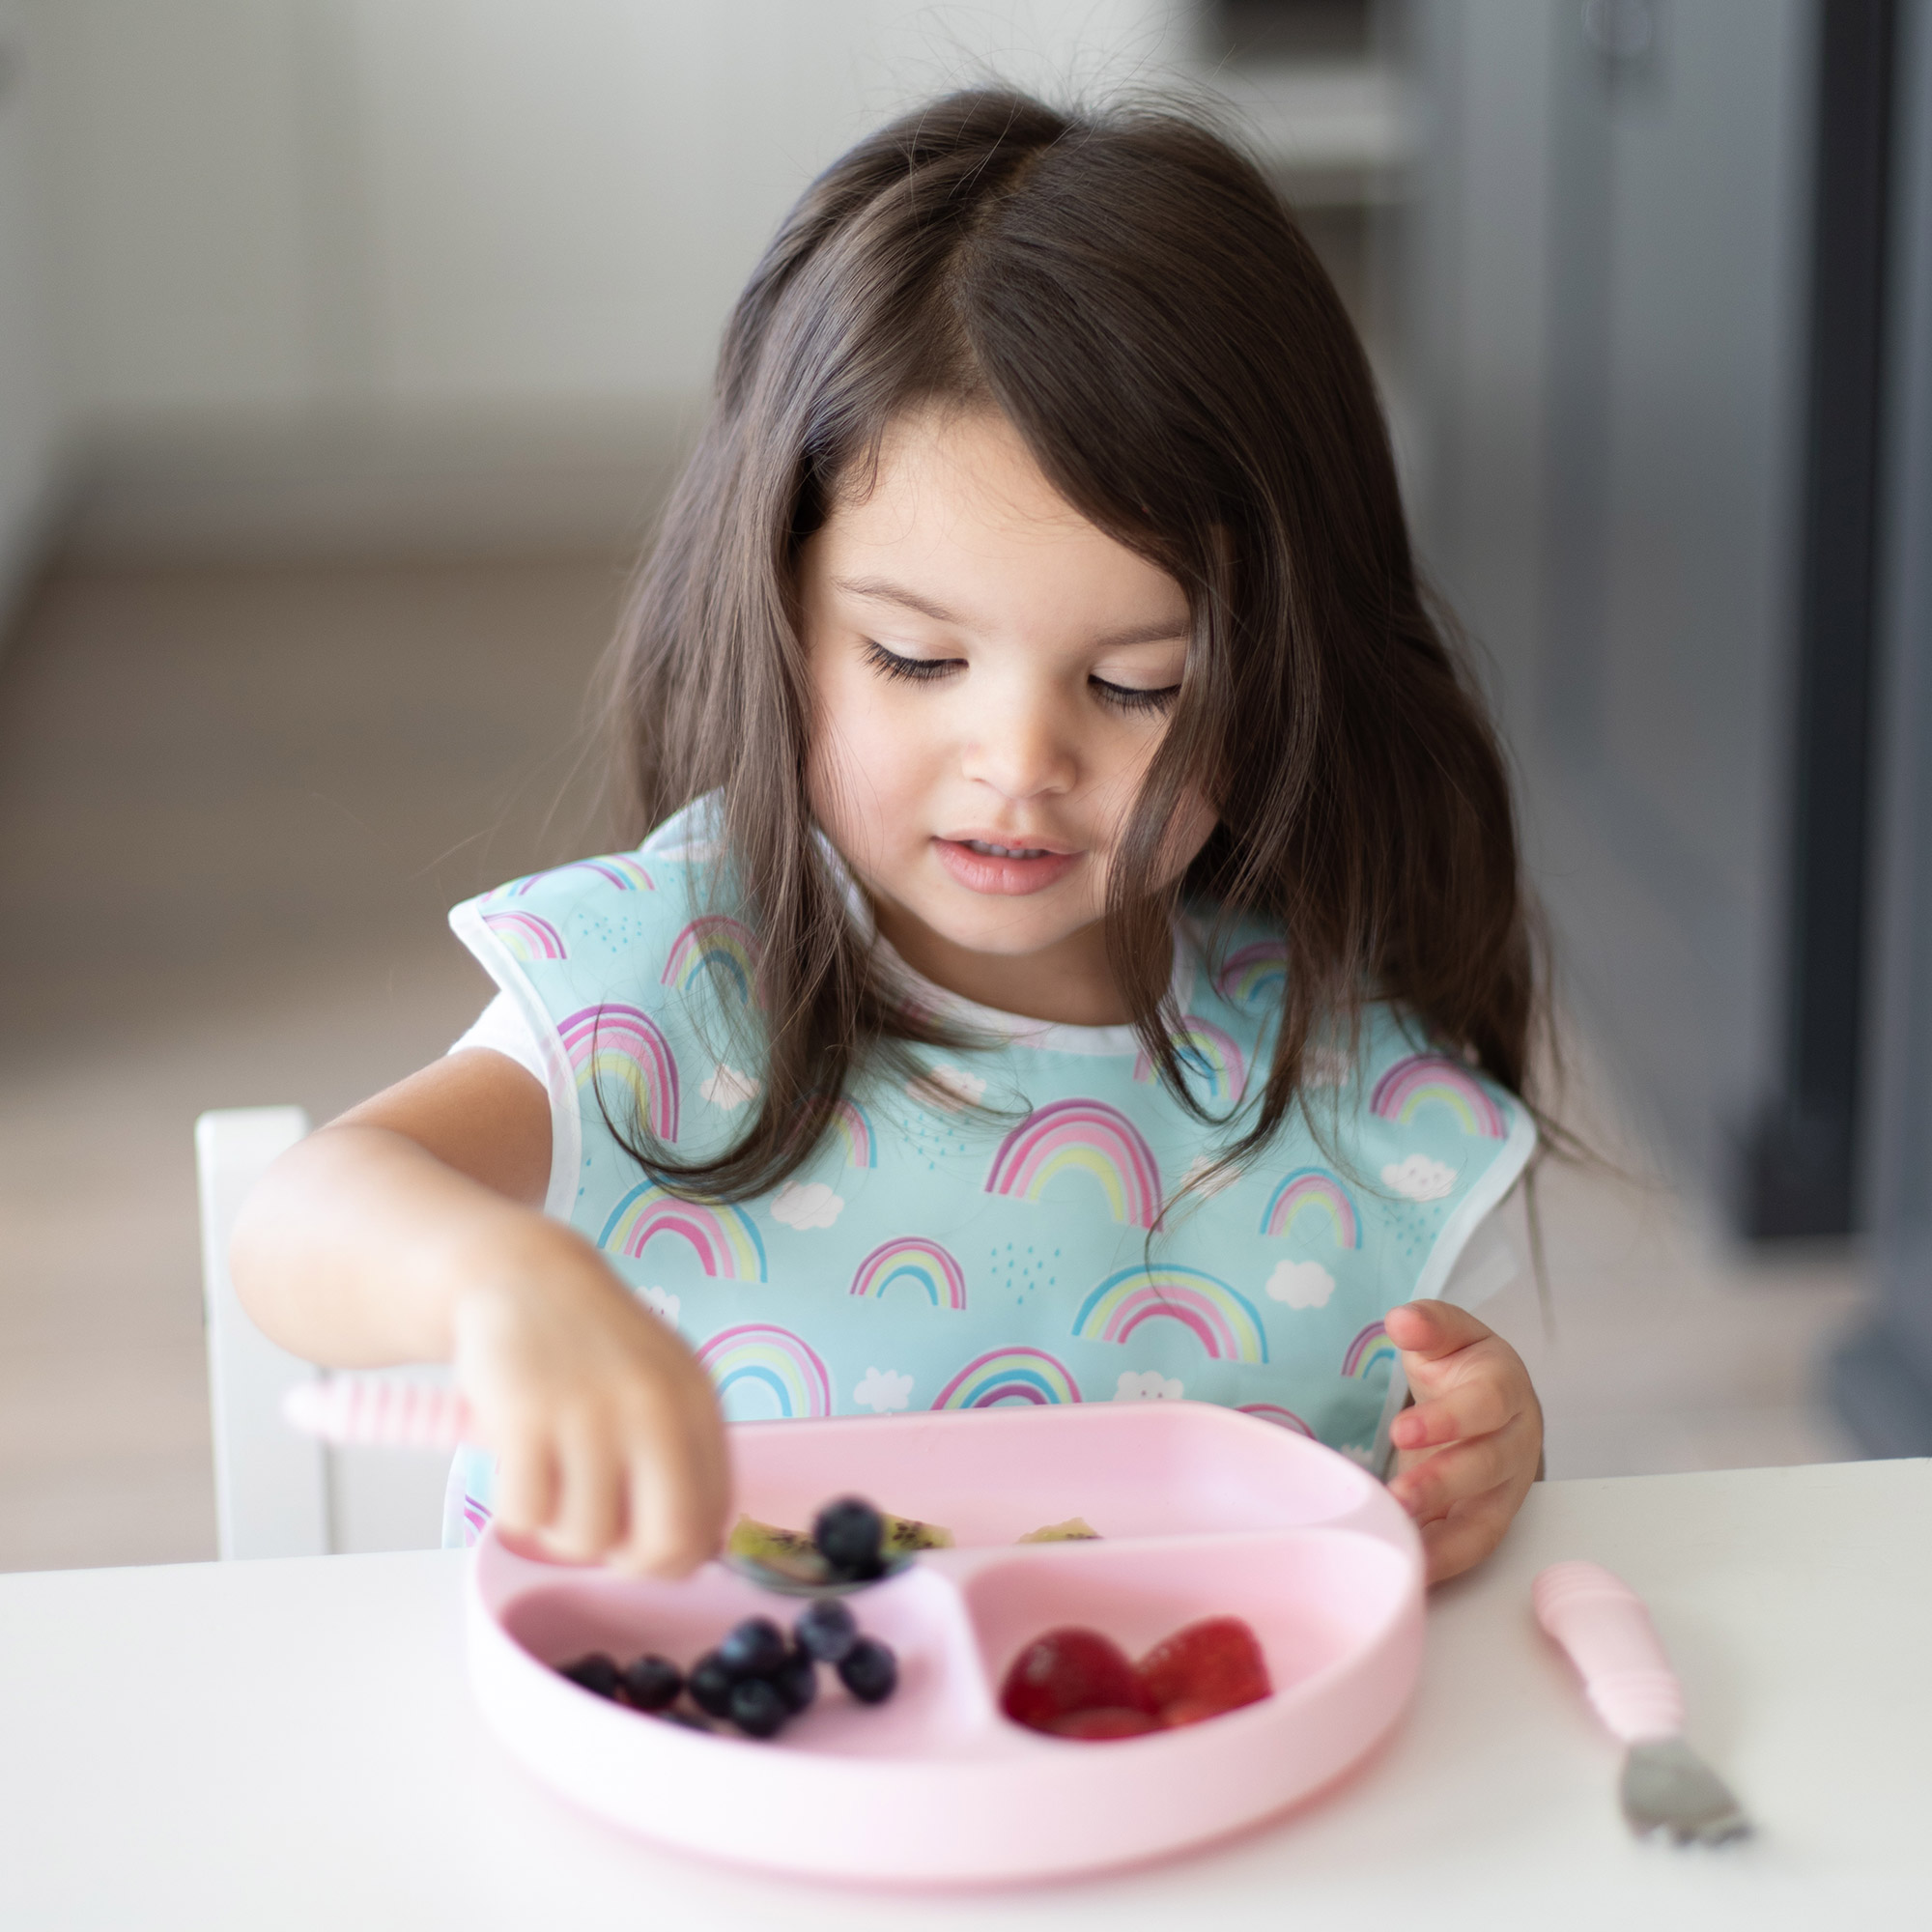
<point x="278" y="1494"/>
<point x="271" y="1484"/>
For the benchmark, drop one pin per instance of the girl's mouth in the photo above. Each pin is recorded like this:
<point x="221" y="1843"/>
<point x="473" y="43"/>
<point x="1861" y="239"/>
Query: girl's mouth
<point x="982" y="867"/>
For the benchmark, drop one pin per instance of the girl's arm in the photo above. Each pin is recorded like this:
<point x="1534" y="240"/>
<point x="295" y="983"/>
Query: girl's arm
<point x="410" y="1230"/>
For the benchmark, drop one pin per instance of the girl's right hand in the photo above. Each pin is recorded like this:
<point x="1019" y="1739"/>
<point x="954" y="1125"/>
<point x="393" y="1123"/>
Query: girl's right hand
<point x="608" y="1443"/>
<point x="411" y="1231"/>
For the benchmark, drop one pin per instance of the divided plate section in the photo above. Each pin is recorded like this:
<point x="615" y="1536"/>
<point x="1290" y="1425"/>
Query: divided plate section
<point x="556" y="1615"/>
<point x="1315" y="1599"/>
<point x="992" y="1476"/>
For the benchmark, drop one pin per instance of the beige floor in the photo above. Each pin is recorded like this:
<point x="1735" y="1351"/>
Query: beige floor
<point x="234" y="805"/>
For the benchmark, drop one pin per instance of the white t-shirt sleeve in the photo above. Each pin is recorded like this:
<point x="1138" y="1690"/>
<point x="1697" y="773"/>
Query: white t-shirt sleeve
<point x="502" y="1028"/>
<point x="1488" y="1263"/>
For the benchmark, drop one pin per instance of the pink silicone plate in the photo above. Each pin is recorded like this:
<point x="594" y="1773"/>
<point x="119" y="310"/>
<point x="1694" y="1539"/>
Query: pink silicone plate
<point x="1203" y="1512"/>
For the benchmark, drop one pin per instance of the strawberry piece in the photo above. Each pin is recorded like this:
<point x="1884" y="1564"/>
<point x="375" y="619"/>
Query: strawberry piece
<point x="1187" y="1711"/>
<point x="1107" y="1720"/>
<point x="1070" y="1669"/>
<point x="1215" y="1664"/>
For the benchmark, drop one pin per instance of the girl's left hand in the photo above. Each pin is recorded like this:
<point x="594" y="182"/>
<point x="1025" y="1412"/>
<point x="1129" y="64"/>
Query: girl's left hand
<point x="1469" y="1450"/>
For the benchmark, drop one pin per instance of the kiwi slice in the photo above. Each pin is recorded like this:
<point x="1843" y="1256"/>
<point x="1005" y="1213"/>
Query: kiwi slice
<point x="1075" y="1529"/>
<point x="904" y="1535"/>
<point x="790" y="1553"/>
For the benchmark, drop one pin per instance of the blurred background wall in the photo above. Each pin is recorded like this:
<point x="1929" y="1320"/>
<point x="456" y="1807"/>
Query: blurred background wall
<point x="346" y="348"/>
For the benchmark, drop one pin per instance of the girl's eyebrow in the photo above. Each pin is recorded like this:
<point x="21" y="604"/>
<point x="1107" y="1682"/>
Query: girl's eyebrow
<point x="882" y="590"/>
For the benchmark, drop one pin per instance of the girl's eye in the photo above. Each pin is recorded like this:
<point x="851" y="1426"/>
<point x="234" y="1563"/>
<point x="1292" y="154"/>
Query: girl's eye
<point x="916" y="671"/>
<point x="1123" y="697"/>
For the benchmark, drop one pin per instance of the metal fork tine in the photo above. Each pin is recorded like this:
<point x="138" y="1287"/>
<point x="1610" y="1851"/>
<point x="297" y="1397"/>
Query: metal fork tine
<point x="1667" y="1787"/>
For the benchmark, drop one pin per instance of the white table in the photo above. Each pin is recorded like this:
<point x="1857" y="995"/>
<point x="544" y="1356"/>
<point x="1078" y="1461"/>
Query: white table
<point x="291" y="1743"/>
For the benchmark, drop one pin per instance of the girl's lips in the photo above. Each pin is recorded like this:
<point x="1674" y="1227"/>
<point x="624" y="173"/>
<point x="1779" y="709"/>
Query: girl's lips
<point x="983" y="873"/>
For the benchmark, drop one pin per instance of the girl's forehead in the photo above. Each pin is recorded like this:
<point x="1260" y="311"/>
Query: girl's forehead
<point x="953" y="464"/>
<point x="956" y="492"/>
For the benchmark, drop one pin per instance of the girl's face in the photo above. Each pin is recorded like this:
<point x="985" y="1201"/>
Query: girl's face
<point x="992" y="675"/>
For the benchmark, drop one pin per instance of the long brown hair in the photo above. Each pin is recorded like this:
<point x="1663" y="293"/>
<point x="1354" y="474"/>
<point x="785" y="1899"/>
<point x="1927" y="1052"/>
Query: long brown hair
<point x="1127" y="289"/>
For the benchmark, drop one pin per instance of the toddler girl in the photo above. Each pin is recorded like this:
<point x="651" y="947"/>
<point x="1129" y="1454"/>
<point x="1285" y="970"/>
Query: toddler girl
<point x="1081" y="955"/>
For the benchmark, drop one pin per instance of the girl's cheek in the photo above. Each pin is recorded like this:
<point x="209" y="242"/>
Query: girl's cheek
<point x="857" y="782"/>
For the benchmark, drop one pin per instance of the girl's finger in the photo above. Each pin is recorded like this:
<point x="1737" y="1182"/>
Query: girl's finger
<point x="527" y="1483"/>
<point x="1456" y="1543"/>
<point x="590" y="1517"/>
<point x="1432" y="1329"/>
<point x="1485" y="1405"/>
<point x="1460" y="1472"/>
<point x="665" y="1537"/>
<point x="679" y="1481"/>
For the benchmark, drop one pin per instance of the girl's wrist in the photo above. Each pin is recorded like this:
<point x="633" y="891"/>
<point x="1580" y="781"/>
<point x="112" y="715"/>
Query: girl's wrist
<point x="515" y="1256"/>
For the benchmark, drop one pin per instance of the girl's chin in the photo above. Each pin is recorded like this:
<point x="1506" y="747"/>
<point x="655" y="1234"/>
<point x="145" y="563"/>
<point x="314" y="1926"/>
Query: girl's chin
<point x="1002" y="929"/>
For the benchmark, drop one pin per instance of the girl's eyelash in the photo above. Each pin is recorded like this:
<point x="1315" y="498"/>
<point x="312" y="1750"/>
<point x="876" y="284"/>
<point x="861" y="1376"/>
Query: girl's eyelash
<point x="1124" y="698"/>
<point x="922" y="670"/>
<point x="916" y="671"/>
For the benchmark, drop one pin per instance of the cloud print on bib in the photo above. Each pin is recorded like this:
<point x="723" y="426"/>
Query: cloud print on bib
<point x="726" y="1089"/>
<point x="807" y="1205"/>
<point x="1300" y="1284"/>
<point x="949" y="1087"/>
<point x="1149" y="1386"/>
<point x="1420" y="1179"/>
<point x="662" y="1303"/>
<point x="883" y="1391"/>
<point x="1206" y="1175"/>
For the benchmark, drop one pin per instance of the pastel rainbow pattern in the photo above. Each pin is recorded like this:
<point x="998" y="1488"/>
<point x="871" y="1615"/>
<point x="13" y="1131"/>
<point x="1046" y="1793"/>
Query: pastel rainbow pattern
<point x="1313" y="1190"/>
<point x="922" y="1263"/>
<point x="724" y="1239"/>
<point x="1206" y="1052"/>
<point x="1282" y="1418"/>
<point x="1254" y="974"/>
<point x="1082" y="1137"/>
<point x="1223" y="1321"/>
<point x="721" y="946"/>
<point x="1009" y="1374"/>
<point x="621" y="869"/>
<point x="775" y="1359"/>
<point x="525" y="936"/>
<point x="624" y="1046"/>
<point x="1368" y="1351"/>
<point x="1433" y="1080"/>
<point x="853" y="1126"/>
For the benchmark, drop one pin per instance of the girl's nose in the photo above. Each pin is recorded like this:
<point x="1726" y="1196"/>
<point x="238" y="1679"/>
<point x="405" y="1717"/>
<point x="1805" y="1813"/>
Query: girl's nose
<point x="1021" y="748"/>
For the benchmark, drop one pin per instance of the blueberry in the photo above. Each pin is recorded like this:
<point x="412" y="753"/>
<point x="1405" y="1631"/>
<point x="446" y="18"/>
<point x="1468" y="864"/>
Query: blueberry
<point x="826" y="1630"/>
<point x="651" y="1683"/>
<point x="849" y="1534"/>
<point x="597" y="1673"/>
<point x="754" y="1648"/>
<point x="687" y="1720"/>
<point x="710" y="1685"/>
<point x="757" y="1709"/>
<point x="869" y="1671"/>
<point x="796" y="1681"/>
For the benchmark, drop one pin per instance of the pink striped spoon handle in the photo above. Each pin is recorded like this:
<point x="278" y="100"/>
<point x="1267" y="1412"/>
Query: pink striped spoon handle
<point x="1602" y="1625"/>
<point x="375" y="1412"/>
<point x="1601" y="1622"/>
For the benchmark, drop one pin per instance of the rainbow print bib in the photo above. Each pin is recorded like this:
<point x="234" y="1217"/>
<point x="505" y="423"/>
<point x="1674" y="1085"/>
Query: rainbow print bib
<point x="1061" y="1240"/>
